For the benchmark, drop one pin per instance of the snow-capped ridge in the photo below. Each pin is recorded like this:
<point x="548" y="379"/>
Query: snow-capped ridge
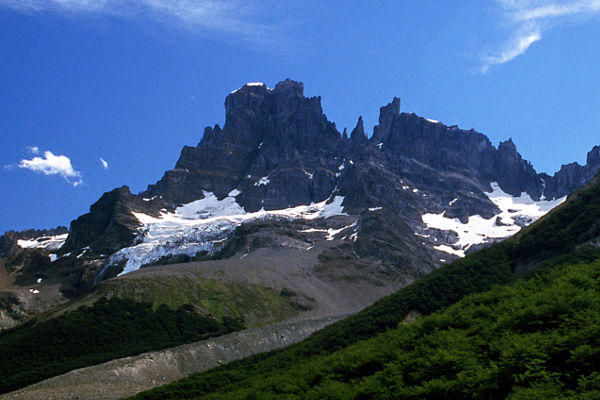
<point x="251" y="84"/>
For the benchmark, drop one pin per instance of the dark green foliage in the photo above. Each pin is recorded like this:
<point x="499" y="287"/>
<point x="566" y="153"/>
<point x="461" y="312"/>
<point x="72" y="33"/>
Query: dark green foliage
<point x="535" y="338"/>
<point x="90" y="335"/>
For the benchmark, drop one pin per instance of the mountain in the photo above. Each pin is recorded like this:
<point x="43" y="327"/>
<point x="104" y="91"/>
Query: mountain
<point x="560" y="249"/>
<point x="279" y="217"/>
<point x="527" y="330"/>
<point x="280" y="182"/>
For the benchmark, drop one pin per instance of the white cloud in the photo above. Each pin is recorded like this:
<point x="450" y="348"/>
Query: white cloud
<point x="540" y="10"/>
<point x="104" y="163"/>
<point x="241" y="18"/>
<point x="529" y="19"/>
<point x="518" y="46"/>
<point x="33" y="149"/>
<point x="51" y="164"/>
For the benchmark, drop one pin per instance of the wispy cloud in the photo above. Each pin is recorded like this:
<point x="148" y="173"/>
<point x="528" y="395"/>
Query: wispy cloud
<point x="236" y="17"/>
<point x="52" y="164"/>
<point x="33" y="149"/>
<point x="528" y="20"/>
<point x="104" y="163"/>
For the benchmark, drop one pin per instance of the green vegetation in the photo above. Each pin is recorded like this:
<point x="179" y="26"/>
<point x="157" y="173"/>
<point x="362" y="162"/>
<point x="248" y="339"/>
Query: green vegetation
<point x="255" y="304"/>
<point x="107" y="330"/>
<point x="535" y="338"/>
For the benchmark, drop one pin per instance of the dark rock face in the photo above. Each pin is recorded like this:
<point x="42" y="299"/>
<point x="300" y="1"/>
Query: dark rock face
<point x="572" y="176"/>
<point x="515" y="175"/>
<point x="278" y="134"/>
<point x="109" y="226"/>
<point x="279" y="150"/>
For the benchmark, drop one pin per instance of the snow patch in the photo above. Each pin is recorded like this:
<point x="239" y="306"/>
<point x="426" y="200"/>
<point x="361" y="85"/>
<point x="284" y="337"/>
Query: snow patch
<point x="433" y="121"/>
<point x="262" y="181"/>
<point x="375" y="208"/>
<point x="379" y="145"/>
<point x="43" y="242"/>
<point x="210" y="207"/>
<point x="515" y="212"/>
<point x="331" y="232"/>
<point x="452" y="202"/>
<point x="234" y="193"/>
<point x="85" y="250"/>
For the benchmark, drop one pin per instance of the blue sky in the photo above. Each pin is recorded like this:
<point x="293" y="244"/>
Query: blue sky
<point x="96" y="94"/>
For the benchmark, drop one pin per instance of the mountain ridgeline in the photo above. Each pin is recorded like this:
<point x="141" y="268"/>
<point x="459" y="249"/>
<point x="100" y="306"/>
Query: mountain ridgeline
<point x="282" y="135"/>
<point x="277" y="151"/>
<point x="284" y="138"/>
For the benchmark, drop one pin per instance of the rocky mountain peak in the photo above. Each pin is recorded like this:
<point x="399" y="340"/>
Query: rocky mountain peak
<point x="387" y="114"/>
<point x="389" y="111"/>
<point x="358" y="135"/>
<point x="571" y="176"/>
<point x="514" y="174"/>
<point x="278" y="150"/>
<point x="593" y="157"/>
<point x="289" y="88"/>
<point x="507" y="146"/>
<point x="268" y="134"/>
<point x="109" y="225"/>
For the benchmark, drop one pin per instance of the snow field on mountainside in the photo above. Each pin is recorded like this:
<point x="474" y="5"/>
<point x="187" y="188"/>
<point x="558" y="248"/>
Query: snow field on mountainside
<point x="204" y="225"/>
<point x="51" y="243"/>
<point x="515" y="212"/>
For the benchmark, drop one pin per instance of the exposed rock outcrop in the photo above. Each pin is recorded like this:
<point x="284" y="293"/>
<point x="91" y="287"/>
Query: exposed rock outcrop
<point x="571" y="176"/>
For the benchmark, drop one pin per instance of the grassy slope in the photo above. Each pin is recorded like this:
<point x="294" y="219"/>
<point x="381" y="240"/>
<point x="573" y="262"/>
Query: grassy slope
<point x="558" y="234"/>
<point x="255" y="304"/>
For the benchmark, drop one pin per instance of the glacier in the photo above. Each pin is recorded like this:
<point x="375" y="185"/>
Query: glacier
<point x="204" y="226"/>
